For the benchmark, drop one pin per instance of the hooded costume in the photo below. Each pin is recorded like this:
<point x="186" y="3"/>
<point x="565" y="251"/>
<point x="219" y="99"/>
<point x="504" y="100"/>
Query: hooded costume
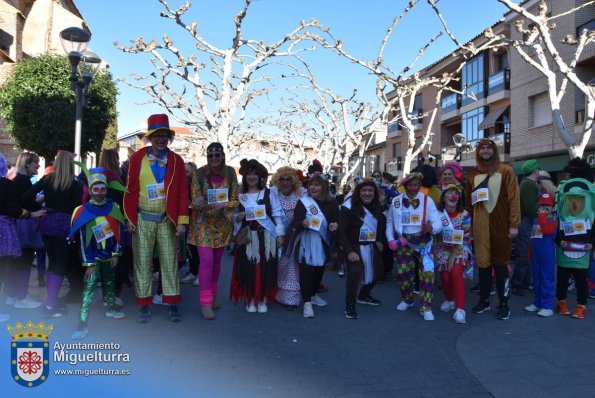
<point x="495" y="214"/>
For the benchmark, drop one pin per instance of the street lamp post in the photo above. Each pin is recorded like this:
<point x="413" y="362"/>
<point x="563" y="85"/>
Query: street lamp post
<point x="84" y="64"/>
<point x="460" y="141"/>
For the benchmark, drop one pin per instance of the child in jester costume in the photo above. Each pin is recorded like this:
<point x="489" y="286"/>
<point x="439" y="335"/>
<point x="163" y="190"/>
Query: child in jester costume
<point x="99" y="223"/>
<point x="576" y="208"/>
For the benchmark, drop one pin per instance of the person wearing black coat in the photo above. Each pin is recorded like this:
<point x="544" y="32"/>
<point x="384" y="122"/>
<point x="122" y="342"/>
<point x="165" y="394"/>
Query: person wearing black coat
<point x="361" y="232"/>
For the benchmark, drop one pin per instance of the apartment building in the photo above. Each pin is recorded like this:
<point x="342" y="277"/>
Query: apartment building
<point x="505" y="99"/>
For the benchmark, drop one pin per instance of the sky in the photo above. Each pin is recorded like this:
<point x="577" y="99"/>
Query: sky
<point x="360" y="24"/>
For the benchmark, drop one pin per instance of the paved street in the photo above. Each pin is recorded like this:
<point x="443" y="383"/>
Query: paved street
<point x="281" y="354"/>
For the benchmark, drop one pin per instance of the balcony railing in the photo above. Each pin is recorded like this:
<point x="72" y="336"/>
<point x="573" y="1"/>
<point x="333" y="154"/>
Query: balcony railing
<point x="499" y="81"/>
<point x="451" y="102"/>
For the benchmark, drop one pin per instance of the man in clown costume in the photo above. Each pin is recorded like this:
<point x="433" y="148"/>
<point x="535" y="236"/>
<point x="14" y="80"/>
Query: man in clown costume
<point x="156" y="210"/>
<point x="576" y="209"/>
<point x="99" y="223"/>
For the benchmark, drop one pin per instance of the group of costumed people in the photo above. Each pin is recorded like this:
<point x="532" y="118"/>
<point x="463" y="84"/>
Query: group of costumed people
<point x="287" y="234"/>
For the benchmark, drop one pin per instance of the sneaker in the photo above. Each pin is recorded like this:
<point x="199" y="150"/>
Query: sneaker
<point x="174" y="313"/>
<point x="308" y="310"/>
<point x="115" y="314"/>
<point x="195" y="283"/>
<point x="158" y="299"/>
<point x="350" y="312"/>
<point x="459" y="316"/>
<point x="4" y="317"/>
<point x="403" y="306"/>
<point x="52" y="312"/>
<point x="316" y="300"/>
<point x="447" y="306"/>
<point x="119" y="302"/>
<point x="481" y="307"/>
<point x="262" y="308"/>
<point x="545" y="312"/>
<point x="532" y="308"/>
<point x="10" y="300"/>
<point x="251" y="308"/>
<point x="580" y="312"/>
<point x="503" y="312"/>
<point x="428" y="315"/>
<point x="144" y="314"/>
<point x="27" y="302"/>
<point x="189" y="278"/>
<point x="493" y="291"/>
<point x="368" y="301"/>
<point x="562" y="308"/>
<point x="341" y="273"/>
<point x="81" y="331"/>
<point x="207" y="312"/>
<point x="474" y="289"/>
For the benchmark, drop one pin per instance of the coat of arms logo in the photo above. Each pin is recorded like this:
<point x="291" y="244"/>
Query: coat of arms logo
<point x="29" y="353"/>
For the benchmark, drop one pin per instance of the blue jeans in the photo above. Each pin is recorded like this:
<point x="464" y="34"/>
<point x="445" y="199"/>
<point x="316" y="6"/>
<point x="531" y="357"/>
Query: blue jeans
<point x="521" y="275"/>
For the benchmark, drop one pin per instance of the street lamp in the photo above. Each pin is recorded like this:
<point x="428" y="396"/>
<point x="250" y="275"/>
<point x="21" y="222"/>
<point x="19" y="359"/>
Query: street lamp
<point x="84" y="64"/>
<point x="460" y="141"/>
<point x="372" y="162"/>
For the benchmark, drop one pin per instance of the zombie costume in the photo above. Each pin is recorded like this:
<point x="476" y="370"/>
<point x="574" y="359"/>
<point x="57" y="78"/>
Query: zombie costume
<point x="575" y="206"/>
<point x="405" y="219"/>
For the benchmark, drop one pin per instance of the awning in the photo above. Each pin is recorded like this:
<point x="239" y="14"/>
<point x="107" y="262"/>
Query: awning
<point x="491" y="118"/>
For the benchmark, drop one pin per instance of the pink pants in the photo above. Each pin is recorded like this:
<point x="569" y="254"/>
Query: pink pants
<point x="208" y="272"/>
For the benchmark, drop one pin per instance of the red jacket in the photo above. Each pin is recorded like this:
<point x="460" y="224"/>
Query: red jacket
<point x="176" y="189"/>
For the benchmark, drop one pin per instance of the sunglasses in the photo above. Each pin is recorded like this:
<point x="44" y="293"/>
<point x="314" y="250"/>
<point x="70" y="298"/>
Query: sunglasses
<point x="213" y="156"/>
<point x="285" y="179"/>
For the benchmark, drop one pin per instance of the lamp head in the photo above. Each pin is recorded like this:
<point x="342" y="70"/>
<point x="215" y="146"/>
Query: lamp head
<point x="74" y="39"/>
<point x="459" y="140"/>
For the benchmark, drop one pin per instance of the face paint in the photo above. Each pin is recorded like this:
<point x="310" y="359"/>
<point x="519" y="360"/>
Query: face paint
<point x="98" y="192"/>
<point x="412" y="189"/>
<point x="545" y="209"/>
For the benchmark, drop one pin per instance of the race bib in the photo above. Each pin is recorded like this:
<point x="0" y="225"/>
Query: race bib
<point x="408" y="218"/>
<point x="217" y="196"/>
<point x="536" y="232"/>
<point x="256" y="213"/>
<point x="156" y="191"/>
<point x="480" y="195"/>
<point x="453" y="236"/>
<point x="315" y="223"/>
<point x="367" y="235"/>
<point x="102" y="231"/>
<point x="575" y="227"/>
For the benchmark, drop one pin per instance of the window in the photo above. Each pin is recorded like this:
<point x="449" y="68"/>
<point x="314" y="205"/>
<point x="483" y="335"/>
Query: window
<point x="470" y="122"/>
<point x="589" y="26"/>
<point x="541" y="111"/>
<point x="473" y="78"/>
<point x="396" y="150"/>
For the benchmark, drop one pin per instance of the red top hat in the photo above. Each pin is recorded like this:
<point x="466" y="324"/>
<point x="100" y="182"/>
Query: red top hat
<point x="159" y="122"/>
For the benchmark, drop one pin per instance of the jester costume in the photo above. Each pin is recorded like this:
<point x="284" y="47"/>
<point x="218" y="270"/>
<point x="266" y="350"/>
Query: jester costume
<point x="575" y="206"/>
<point x="99" y="223"/>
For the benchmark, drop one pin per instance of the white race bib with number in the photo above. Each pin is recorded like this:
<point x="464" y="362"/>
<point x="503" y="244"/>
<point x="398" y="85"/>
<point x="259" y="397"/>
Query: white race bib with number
<point x="156" y="191"/>
<point x="256" y="213"/>
<point x="102" y="231"/>
<point x="217" y="196"/>
<point x="480" y="195"/>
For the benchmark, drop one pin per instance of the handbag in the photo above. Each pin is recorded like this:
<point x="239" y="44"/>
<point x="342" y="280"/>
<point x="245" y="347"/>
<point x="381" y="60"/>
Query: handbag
<point x="243" y="236"/>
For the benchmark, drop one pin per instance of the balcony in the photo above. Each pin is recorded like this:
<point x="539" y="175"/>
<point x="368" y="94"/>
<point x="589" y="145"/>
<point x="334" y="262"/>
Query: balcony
<point x="394" y="130"/>
<point x="499" y="81"/>
<point x="417" y="119"/>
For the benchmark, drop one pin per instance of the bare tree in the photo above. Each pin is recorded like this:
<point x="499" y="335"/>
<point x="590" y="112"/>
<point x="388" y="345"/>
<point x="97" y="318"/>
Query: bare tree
<point x="210" y="91"/>
<point x="404" y="86"/>
<point x="538" y="48"/>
